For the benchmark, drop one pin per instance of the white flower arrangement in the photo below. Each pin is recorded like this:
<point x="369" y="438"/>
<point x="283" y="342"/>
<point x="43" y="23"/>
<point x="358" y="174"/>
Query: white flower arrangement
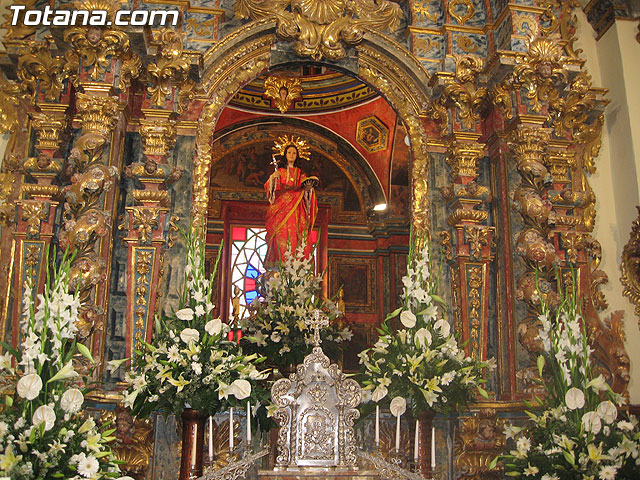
<point x="421" y="360"/>
<point x="277" y="328"/>
<point x="577" y="435"/>
<point x="190" y="361"/>
<point x="43" y="433"/>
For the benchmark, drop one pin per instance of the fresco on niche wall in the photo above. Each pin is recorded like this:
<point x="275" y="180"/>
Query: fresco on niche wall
<point x="399" y="202"/>
<point x="247" y="167"/>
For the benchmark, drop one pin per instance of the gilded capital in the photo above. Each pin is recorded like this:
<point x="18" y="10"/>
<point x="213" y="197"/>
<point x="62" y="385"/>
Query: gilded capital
<point x="98" y="114"/>
<point x="49" y="127"/>
<point x="463" y="157"/>
<point x="529" y="146"/>
<point x="158" y="135"/>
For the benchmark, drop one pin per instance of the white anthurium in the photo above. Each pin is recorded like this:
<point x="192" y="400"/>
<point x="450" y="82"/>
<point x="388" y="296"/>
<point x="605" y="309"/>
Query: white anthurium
<point x="29" y="386"/>
<point x="185" y="314"/>
<point x="574" y="398"/>
<point x="444" y="327"/>
<point x="213" y="327"/>
<point x="408" y="319"/>
<point x="379" y="393"/>
<point x="190" y="335"/>
<point x="423" y="338"/>
<point x="71" y="400"/>
<point x="240" y="389"/>
<point x="44" y="414"/>
<point x="607" y="411"/>
<point x="398" y="406"/>
<point x="591" y="422"/>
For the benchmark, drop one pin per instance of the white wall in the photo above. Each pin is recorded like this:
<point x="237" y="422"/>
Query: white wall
<point x="614" y="63"/>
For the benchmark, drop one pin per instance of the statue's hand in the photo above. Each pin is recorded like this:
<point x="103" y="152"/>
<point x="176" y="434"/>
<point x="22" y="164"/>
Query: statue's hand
<point x="275" y="175"/>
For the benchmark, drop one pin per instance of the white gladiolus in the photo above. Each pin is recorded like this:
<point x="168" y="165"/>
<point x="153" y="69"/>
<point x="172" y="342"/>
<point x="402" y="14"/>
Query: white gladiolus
<point x="71" y="401"/>
<point x="408" y="319"/>
<point x="29" y="386"/>
<point x="44" y="414"/>
<point x="189" y="335"/>
<point x="574" y="398"/>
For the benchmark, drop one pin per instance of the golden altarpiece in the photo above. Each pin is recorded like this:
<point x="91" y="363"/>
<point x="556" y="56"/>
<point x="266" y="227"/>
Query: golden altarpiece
<point x="473" y="121"/>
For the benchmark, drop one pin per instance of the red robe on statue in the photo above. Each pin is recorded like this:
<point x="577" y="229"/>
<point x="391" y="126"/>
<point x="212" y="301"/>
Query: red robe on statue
<point x="291" y="214"/>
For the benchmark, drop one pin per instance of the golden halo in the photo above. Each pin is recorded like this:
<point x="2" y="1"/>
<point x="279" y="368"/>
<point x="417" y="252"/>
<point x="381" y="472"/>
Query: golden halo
<point x="281" y="144"/>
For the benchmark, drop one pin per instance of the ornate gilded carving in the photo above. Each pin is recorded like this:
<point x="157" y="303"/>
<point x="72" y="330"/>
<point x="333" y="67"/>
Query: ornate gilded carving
<point x="98" y="115"/>
<point x="608" y="342"/>
<point x="479" y="441"/>
<point x="461" y="93"/>
<point x="10" y="98"/>
<point x="572" y="243"/>
<point x="145" y="220"/>
<point x="38" y="67"/>
<point x="598" y="277"/>
<point x="34" y="212"/>
<point x="477" y="236"/>
<point x="171" y="69"/>
<point x="49" y="127"/>
<point x="98" y="47"/>
<point x="396" y="87"/>
<point x="230" y="73"/>
<point x="158" y="135"/>
<point x="322" y="28"/>
<point x="133" y="441"/>
<point x="464" y="215"/>
<point x="630" y="266"/>
<point x="463" y="157"/>
<point x="464" y="14"/>
<point x="282" y="90"/>
<point x="20" y="31"/>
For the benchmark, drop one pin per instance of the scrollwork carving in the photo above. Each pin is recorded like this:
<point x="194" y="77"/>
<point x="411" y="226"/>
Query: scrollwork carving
<point x="39" y="67"/>
<point x="171" y="69"/>
<point x="630" y="266"/>
<point x="322" y="28"/>
<point x="97" y="47"/>
<point x="480" y="439"/>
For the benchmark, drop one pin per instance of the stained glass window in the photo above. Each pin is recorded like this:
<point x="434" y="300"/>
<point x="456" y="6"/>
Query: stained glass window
<point x="248" y="252"/>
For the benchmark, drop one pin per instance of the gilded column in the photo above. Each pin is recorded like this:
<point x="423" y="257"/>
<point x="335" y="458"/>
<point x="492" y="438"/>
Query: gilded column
<point x="105" y="66"/>
<point x="45" y="80"/>
<point x="457" y="104"/>
<point x="149" y="223"/>
<point x="554" y="137"/>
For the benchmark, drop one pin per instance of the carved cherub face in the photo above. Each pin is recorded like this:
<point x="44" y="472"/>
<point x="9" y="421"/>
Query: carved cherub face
<point x="150" y="167"/>
<point x="94" y="35"/>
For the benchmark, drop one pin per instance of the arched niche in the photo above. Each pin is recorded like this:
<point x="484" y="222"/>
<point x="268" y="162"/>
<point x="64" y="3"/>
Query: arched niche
<point x="378" y="61"/>
<point x="347" y="181"/>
